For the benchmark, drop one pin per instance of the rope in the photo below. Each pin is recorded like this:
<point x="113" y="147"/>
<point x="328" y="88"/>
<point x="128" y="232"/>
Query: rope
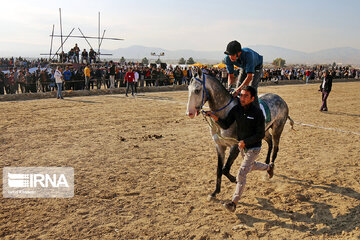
<point x="212" y="124"/>
<point x="215" y="127"/>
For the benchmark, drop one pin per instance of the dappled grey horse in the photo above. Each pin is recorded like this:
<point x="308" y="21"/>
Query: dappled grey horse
<point x="204" y="88"/>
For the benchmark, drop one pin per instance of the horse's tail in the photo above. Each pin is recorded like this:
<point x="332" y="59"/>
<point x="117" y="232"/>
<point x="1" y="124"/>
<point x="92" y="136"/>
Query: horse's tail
<point x="291" y="123"/>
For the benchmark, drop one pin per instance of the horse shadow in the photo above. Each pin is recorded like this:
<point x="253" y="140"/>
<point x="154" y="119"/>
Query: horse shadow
<point x="342" y="114"/>
<point x="81" y="101"/>
<point x="321" y="214"/>
<point x="333" y="188"/>
<point x="152" y="97"/>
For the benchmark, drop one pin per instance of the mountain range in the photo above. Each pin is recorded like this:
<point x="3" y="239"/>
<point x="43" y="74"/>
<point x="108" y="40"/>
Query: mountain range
<point x="344" y="55"/>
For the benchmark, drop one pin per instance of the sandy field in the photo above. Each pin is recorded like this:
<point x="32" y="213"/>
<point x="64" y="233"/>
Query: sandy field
<point x="143" y="170"/>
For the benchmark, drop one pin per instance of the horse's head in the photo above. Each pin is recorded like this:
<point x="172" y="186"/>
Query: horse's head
<point x="197" y="94"/>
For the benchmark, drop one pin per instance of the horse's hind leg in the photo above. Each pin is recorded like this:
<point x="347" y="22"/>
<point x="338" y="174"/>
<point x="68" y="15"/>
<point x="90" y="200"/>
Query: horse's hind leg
<point x="234" y="152"/>
<point x="277" y="130"/>
<point x="221" y="155"/>
<point x="268" y="139"/>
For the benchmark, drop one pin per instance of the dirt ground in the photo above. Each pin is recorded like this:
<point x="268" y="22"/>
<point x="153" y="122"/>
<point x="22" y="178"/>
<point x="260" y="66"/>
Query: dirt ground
<point x="143" y="170"/>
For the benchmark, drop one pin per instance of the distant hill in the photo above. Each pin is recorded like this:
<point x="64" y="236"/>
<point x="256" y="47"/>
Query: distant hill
<point x="344" y="55"/>
<point x="139" y="52"/>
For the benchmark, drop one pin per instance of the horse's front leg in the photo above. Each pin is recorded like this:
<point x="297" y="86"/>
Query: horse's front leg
<point x="234" y="152"/>
<point x="221" y="155"/>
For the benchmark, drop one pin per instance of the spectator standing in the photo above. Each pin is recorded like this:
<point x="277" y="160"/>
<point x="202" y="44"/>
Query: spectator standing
<point x="2" y="83"/>
<point x="147" y="76"/>
<point x="67" y="78"/>
<point x="325" y="88"/>
<point x="129" y="79"/>
<point x="142" y="77"/>
<point x="154" y="76"/>
<point x="87" y="76"/>
<point x="136" y="79"/>
<point x="98" y="77"/>
<point x="22" y="81"/>
<point x="16" y="80"/>
<point x="307" y="76"/>
<point x="7" y="83"/>
<point x="44" y="80"/>
<point x="12" y="83"/>
<point x="185" y="75"/>
<point x="171" y="77"/>
<point x="178" y="75"/>
<point x="52" y="80"/>
<point x="112" y="72"/>
<point x="59" y="82"/>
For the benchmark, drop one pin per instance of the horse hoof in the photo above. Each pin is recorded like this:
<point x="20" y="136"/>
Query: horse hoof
<point x="231" y="178"/>
<point x="211" y="198"/>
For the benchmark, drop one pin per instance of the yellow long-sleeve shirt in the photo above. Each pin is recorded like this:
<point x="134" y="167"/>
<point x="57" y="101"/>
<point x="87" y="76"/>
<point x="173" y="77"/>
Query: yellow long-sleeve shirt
<point x="87" y="72"/>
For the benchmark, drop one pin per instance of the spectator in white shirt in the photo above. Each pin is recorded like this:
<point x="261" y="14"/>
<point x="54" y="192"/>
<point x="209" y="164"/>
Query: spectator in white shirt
<point x="136" y="79"/>
<point x="59" y="82"/>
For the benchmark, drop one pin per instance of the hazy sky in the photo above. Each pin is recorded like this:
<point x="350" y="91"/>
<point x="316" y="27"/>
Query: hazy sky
<point x="307" y="25"/>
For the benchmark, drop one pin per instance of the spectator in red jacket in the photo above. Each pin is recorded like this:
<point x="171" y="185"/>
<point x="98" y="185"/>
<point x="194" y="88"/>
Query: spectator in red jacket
<point x="129" y="79"/>
<point x="307" y="75"/>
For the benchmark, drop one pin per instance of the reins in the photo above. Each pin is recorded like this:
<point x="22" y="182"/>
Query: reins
<point x="208" y="96"/>
<point x="212" y="124"/>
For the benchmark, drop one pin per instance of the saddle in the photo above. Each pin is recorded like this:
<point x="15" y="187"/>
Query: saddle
<point x="265" y="109"/>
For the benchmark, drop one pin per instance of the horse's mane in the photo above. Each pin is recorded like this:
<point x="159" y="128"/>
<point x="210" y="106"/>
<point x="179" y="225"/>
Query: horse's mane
<point x="219" y="86"/>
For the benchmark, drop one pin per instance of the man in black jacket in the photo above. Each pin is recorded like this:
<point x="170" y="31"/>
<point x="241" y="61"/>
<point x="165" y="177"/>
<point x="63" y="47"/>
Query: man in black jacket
<point x="325" y="89"/>
<point x="250" y="131"/>
<point x="2" y="83"/>
<point x="112" y="72"/>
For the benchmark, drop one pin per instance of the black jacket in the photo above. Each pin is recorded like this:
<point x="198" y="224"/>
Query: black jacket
<point x="250" y="124"/>
<point x="112" y="70"/>
<point x="328" y="84"/>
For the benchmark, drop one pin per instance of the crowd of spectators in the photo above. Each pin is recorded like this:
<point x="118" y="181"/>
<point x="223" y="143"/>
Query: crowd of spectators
<point x="19" y="79"/>
<point x="73" y="56"/>
<point x="7" y="63"/>
<point x="309" y="73"/>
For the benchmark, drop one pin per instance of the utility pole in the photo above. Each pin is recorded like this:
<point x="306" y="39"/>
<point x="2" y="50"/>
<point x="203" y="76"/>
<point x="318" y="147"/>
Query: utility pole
<point x="158" y="55"/>
<point x="62" y="48"/>
<point x="52" y="37"/>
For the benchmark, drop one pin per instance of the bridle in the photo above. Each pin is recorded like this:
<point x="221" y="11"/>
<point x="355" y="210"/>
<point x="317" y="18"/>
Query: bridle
<point x="204" y="91"/>
<point x="212" y="124"/>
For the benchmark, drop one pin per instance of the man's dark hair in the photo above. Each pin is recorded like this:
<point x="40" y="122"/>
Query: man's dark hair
<point x="233" y="47"/>
<point x="251" y="90"/>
